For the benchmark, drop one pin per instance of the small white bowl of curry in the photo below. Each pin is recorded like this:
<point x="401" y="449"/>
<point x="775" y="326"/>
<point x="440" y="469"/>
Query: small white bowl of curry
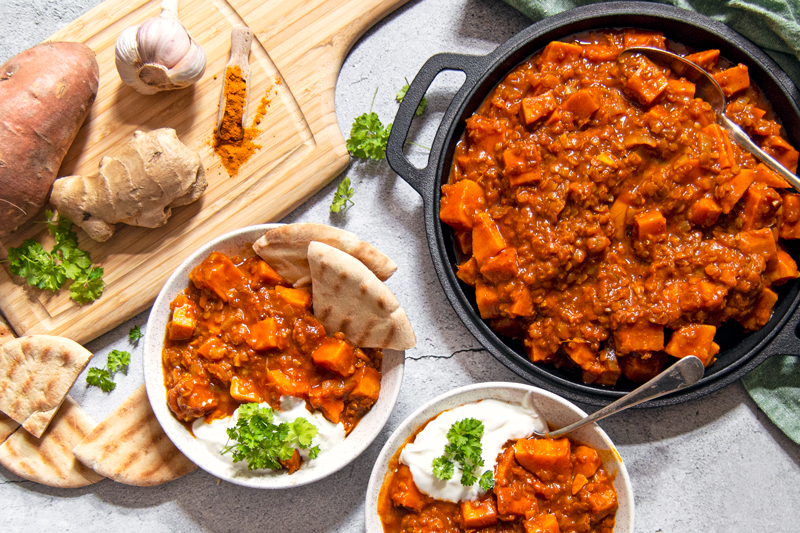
<point x="247" y="382"/>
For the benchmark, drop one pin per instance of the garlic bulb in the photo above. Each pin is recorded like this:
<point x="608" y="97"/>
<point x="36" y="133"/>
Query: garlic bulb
<point x="159" y="55"/>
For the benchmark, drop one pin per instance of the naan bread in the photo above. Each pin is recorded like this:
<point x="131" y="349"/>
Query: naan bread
<point x="349" y="298"/>
<point x="36" y="373"/>
<point x="131" y="448"/>
<point x="49" y="460"/>
<point x="285" y="249"/>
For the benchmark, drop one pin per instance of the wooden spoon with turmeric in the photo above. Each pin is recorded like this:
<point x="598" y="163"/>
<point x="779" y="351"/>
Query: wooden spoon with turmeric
<point x="233" y="100"/>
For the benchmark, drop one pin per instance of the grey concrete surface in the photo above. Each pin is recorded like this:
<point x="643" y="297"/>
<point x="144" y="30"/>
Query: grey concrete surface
<point x="716" y="464"/>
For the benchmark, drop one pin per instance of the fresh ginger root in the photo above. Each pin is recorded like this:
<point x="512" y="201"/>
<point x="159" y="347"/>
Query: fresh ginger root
<point x="152" y="174"/>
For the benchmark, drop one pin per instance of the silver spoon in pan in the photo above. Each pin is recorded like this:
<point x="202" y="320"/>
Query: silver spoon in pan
<point x="684" y="373"/>
<point x="707" y="88"/>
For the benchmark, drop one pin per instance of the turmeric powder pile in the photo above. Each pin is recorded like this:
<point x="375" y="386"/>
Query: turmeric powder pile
<point x="233" y="143"/>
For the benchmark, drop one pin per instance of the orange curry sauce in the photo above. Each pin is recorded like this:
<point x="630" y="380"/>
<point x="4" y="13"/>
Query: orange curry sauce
<point x="240" y="333"/>
<point x="607" y="220"/>
<point x="541" y="486"/>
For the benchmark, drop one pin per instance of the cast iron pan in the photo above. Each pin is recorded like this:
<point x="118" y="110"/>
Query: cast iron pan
<point x="740" y="351"/>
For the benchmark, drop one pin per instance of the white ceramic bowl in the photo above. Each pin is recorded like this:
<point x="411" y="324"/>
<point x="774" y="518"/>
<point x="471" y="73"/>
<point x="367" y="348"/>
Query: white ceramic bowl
<point x="555" y="410"/>
<point x="368" y="428"/>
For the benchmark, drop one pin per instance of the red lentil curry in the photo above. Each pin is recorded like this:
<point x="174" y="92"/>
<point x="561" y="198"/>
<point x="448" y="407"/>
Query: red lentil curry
<point x="607" y="220"/>
<point x="239" y="333"/>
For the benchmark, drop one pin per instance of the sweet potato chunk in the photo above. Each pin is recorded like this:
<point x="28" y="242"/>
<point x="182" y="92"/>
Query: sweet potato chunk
<point x="650" y="226"/>
<point x="759" y="241"/>
<point x="522" y="303"/>
<point x="704" y="212"/>
<point x="295" y="297"/>
<point x="581" y="352"/>
<point x="460" y="201"/>
<point x="790" y="225"/>
<point x="642" y="367"/>
<point x="705" y="59"/>
<point x="681" y="88"/>
<point x="642" y="336"/>
<point x="724" y="150"/>
<point x="599" y="52"/>
<point x="587" y="461"/>
<point x="543" y="523"/>
<point x="648" y="82"/>
<point x="785" y="269"/>
<point x="486" y="238"/>
<point x="777" y="147"/>
<point x="502" y="267"/>
<point x="335" y="355"/>
<point x="643" y="38"/>
<point x="534" y="108"/>
<point x="762" y="312"/>
<point x="243" y="390"/>
<point x="183" y="321"/>
<point x="731" y="192"/>
<point x="522" y="165"/>
<point x="264" y="335"/>
<point x="284" y="385"/>
<point x="546" y="458"/>
<point x="602" y="500"/>
<point x="468" y="271"/>
<point x="733" y="80"/>
<point x="761" y="204"/>
<point x="558" y="53"/>
<point x="582" y="104"/>
<point x="368" y="384"/>
<point x="694" y="339"/>
<point x="770" y="178"/>
<point x="404" y="492"/>
<point x="217" y="273"/>
<point x="509" y="502"/>
<point x="293" y="463"/>
<point x="481" y="513"/>
<point x="487" y="299"/>
<point x="268" y="275"/>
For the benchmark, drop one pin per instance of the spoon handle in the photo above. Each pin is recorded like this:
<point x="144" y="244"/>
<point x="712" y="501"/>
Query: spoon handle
<point x="744" y="140"/>
<point x="684" y="373"/>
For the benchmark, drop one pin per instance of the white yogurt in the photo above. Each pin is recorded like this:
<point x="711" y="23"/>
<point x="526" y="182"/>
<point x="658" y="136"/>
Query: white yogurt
<point x="501" y="422"/>
<point x="214" y="434"/>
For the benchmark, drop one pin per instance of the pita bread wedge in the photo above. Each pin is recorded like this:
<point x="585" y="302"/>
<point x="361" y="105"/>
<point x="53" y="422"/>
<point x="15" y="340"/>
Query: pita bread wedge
<point x="36" y="373"/>
<point x="285" y="249"/>
<point x="131" y="448"/>
<point x="49" y="460"/>
<point x="7" y="427"/>
<point x="349" y="298"/>
<point x="6" y="333"/>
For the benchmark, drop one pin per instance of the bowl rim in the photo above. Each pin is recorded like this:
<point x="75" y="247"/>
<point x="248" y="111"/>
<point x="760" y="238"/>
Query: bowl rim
<point x="355" y="443"/>
<point x="415" y="419"/>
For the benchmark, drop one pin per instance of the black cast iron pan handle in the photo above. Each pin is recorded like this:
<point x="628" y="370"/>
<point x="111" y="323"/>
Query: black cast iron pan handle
<point x="419" y="178"/>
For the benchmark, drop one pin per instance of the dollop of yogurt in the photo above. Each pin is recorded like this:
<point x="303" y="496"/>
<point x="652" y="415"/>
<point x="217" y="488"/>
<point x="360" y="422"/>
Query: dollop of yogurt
<point x="214" y="434"/>
<point x="501" y="422"/>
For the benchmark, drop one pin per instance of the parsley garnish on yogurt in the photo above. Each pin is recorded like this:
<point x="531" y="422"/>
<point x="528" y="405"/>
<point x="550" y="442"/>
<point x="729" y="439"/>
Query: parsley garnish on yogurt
<point x="463" y="447"/>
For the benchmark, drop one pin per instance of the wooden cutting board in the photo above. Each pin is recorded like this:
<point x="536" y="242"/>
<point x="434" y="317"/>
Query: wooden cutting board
<point x="298" y="49"/>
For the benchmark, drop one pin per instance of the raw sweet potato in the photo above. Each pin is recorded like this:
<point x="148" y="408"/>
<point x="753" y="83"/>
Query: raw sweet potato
<point x="45" y="95"/>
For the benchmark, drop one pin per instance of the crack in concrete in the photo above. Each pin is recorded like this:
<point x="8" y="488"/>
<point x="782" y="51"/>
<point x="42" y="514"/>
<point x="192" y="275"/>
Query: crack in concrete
<point x="13" y="481"/>
<point x="432" y="356"/>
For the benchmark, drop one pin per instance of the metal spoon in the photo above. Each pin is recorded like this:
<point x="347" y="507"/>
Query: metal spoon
<point x="682" y="374"/>
<point x="707" y="88"/>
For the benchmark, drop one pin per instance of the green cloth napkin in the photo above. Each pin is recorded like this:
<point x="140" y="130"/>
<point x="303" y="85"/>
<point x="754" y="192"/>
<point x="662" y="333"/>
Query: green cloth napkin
<point x="774" y="25"/>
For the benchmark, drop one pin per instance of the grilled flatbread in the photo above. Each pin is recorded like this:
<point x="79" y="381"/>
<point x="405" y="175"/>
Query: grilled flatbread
<point x="36" y="373"/>
<point x="6" y="334"/>
<point x="349" y="298"/>
<point x="49" y="460"/>
<point x="285" y="249"/>
<point x="7" y="427"/>
<point x="131" y="448"/>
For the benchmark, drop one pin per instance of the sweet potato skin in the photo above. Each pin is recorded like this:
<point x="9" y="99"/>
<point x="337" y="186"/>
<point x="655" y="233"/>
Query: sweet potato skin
<point x="45" y="95"/>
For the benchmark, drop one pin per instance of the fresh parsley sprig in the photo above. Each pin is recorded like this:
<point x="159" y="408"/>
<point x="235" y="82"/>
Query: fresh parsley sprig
<point x="368" y="135"/>
<point x="342" y="196"/>
<point x="117" y="361"/>
<point x="134" y="334"/>
<point x="463" y="447"/>
<point x="401" y="94"/>
<point x="50" y="270"/>
<point x="263" y="444"/>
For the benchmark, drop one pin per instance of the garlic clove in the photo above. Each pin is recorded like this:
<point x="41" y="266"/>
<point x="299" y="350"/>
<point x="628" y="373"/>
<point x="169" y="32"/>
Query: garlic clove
<point x="191" y="68"/>
<point x="163" y="41"/>
<point x="126" y="56"/>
